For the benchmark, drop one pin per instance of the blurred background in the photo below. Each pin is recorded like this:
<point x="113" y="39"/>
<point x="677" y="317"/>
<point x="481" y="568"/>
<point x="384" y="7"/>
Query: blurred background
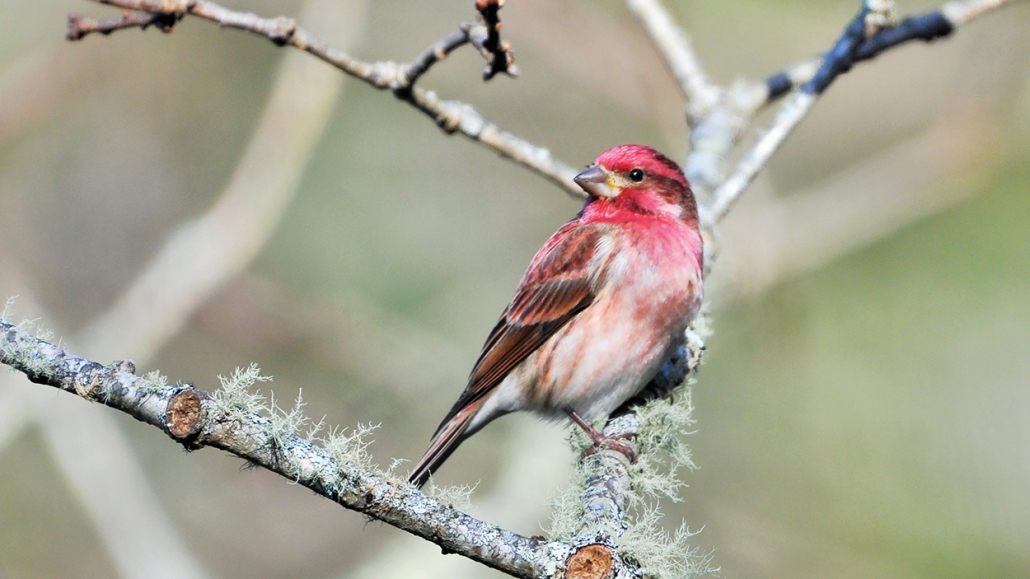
<point x="864" y="410"/>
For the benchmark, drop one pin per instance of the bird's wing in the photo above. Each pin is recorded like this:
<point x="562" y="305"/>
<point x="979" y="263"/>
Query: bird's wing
<point x="558" y="285"/>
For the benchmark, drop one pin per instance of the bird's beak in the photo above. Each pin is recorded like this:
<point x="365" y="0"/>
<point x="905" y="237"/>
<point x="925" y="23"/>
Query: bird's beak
<point x="596" y="182"/>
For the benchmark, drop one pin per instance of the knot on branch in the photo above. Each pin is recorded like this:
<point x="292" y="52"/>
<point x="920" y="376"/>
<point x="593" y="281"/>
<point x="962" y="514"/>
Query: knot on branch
<point x="388" y="74"/>
<point x="281" y="30"/>
<point x="486" y="36"/>
<point x="455" y="115"/>
<point x="881" y="14"/>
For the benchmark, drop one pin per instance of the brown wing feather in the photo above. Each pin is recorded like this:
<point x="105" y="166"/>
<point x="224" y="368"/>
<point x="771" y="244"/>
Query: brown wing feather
<point x="557" y="286"/>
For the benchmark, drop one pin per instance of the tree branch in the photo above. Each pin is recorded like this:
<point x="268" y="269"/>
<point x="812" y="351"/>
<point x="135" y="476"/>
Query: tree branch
<point x="855" y="45"/>
<point x="450" y="115"/>
<point x="82" y="26"/>
<point x="191" y="417"/>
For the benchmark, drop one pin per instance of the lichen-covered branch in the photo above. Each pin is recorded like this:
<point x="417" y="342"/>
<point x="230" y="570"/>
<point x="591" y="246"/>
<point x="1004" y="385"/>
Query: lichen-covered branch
<point x="451" y="116"/>
<point x="608" y="512"/>
<point x="196" y="420"/>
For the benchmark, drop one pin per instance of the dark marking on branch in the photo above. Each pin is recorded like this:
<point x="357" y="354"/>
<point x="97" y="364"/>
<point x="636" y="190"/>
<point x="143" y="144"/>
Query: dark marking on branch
<point x="854" y="47"/>
<point x="841" y="57"/>
<point x="778" y="85"/>
<point x="927" y="28"/>
<point x="486" y="36"/>
<point x="81" y="26"/>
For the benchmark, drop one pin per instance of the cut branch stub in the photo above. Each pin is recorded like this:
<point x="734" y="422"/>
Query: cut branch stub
<point x="184" y="417"/>
<point x="590" y="562"/>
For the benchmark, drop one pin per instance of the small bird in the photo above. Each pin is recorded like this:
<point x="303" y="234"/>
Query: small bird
<point x="602" y="306"/>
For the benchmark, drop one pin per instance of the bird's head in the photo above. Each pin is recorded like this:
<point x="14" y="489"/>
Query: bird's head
<point x="639" y="179"/>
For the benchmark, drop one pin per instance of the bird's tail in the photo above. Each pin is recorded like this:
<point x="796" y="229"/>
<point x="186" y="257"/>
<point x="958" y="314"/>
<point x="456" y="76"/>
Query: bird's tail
<point x="445" y="441"/>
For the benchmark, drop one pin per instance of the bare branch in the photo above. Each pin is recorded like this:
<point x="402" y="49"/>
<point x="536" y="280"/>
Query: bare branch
<point x="411" y="72"/>
<point x="451" y="116"/>
<point x="141" y="539"/>
<point x="99" y="466"/>
<point x="605" y="496"/>
<point x="674" y="47"/>
<point x="792" y="113"/>
<point x="203" y="254"/>
<point x="855" y="45"/>
<point x="927" y="27"/>
<point x="959" y="12"/>
<point x="714" y="135"/>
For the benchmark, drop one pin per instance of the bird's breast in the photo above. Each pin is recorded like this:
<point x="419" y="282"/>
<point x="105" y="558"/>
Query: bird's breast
<point x="649" y="291"/>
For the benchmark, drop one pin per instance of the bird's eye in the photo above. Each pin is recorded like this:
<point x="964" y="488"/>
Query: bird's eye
<point x="636" y="175"/>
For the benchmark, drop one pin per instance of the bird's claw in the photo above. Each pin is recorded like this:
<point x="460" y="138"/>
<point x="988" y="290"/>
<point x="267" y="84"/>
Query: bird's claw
<point x="613" y="443"/>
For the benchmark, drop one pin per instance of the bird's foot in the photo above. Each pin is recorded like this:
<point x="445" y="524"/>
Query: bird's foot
<point x="604" y="442"/>
<point x="612" y="443"/>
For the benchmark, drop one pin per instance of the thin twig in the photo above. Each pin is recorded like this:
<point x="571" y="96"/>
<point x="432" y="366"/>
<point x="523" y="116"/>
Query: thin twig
<point x="792" y="112"/>
<point x="82" y="26"/>
<point x="411" y="72"/>
<point x="451" y="116"/>
<point x="926" y="27"/>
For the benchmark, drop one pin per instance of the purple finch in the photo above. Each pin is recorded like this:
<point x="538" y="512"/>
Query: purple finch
<point x="602" y="306"/>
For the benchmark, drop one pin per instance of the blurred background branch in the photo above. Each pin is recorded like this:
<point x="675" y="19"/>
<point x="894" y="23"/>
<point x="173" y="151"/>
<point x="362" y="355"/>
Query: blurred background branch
<point x="194" y="262"/>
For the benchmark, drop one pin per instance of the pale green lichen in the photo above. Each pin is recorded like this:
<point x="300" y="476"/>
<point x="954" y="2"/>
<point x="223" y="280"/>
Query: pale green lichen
<point x="393" y="472"/>
<point x="285" y="424"/>
<point x="25" y="353"/>
<point x="661" y="553"/>
<point x="235" y="397"/>
<point x="8" y="310"/>
<point x="349" y="448"/>
<point x="153" y="382"/>
<point x="457" y="496"/>
<point x="663" y="454"/>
